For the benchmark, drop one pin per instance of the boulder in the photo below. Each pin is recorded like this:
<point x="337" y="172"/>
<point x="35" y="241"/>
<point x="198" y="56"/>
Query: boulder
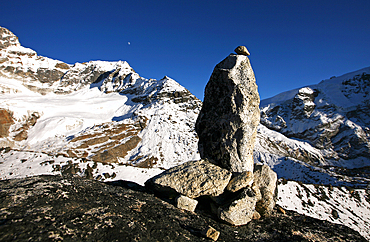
<point x="242" y="50"/>
<point x="265" y="179"/>
<point x="186" y="203"/>
<point x="256" y="200"/>
<point x="227" y="122"/>
<point x="241" y="210"/>
<point x="192" y="179"/>
<point x="240" y="181"/>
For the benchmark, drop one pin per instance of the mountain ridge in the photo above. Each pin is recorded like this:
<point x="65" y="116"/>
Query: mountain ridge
<point x="331" y="116"/>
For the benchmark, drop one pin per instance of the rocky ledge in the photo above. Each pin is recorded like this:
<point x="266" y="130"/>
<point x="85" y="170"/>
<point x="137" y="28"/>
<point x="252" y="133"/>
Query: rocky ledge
<point x="71" y="208"/>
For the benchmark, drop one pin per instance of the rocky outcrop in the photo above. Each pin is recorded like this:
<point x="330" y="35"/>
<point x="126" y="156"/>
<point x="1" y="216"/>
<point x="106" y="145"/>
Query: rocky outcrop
<point x="46" y="208"/>
<point x="6" y="120"/>
<point x="17" y="62"/>
<point x="227" y="123"/>
<point x="7" y="38"/>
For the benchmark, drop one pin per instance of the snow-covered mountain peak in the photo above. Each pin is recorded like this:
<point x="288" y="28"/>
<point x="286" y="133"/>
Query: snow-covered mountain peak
<point x="7" y="38"/>
<point x="346" y="90"/>
<point x="94" y="99"/>
<point x="333" y="116"/>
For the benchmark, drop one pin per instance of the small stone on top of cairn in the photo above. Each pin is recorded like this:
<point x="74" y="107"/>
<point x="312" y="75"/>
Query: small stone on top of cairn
<point x="242" y="50"/>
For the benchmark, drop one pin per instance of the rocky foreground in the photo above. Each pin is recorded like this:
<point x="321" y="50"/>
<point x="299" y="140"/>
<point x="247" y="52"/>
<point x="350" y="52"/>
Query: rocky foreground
<point x="71" y="208"/>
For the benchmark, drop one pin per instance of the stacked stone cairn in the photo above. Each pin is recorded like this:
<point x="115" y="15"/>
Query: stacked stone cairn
<point x="234" y="188"/>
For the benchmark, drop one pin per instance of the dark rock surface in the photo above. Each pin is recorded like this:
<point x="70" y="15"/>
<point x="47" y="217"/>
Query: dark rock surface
<point x="55" y="208"/>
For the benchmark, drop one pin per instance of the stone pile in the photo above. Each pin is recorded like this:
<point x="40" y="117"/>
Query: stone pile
<point x="235" y="200"/>
<point x="234" y="188"/>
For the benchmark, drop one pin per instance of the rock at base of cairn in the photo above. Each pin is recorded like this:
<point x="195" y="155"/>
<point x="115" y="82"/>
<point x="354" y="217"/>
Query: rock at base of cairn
<point x="265" y="179"/>
<point x="241" y="210"/>
<point x="253" y="201"/>
<point x="210" y="233"/>
<point x="192" y="179"/>
<point x="186" y="203"/>
<point x="240" y="181"/>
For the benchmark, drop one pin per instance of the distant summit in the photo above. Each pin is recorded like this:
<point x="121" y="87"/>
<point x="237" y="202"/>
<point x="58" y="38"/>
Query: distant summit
<point x="332" y="116"/>
<point x="7" y="38"/>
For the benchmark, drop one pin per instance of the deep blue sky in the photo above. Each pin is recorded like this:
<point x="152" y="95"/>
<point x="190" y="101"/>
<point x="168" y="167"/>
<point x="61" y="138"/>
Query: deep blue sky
<point x="292" y="43"/>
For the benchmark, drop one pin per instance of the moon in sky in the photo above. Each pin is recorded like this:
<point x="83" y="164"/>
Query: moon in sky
<point x="128" y="43"/>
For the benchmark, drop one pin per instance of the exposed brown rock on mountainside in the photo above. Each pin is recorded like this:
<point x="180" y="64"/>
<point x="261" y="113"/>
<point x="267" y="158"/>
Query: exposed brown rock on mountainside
<point x="6" y="120"/>
<point x="110" y="141"/>
<point x="22" y="132"/>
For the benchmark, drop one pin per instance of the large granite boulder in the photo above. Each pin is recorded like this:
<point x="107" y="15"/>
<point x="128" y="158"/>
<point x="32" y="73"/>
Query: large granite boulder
<point x="227" y="123"/>
<point x="192" y="179"/>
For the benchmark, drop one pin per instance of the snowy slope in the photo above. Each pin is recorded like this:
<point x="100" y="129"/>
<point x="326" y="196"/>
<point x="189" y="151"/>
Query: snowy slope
<point x="299" y="161"/>
<point x="63" y="116"/>
<point x="341" y="205"/>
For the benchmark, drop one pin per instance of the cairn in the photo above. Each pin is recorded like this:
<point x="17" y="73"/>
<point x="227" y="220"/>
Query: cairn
<point x="236" y="189"/>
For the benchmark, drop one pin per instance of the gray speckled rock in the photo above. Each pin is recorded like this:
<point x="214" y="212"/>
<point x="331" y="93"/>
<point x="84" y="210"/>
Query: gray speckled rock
<point x="242" y="210"/>
<point x="192" y="179"/>
<point x="186" y="203"/>
<point x="265" y="179"/>
<point x="227" y="123"/>
<point x="240" y="181"/>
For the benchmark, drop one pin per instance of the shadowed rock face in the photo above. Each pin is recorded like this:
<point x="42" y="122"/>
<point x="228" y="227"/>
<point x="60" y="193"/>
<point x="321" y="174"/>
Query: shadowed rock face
<point x="46" y="208"/>
<point x="227" y="123"/>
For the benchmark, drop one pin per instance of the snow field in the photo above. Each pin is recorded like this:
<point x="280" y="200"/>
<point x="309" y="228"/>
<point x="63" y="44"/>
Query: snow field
<point x="339" y="205"/>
